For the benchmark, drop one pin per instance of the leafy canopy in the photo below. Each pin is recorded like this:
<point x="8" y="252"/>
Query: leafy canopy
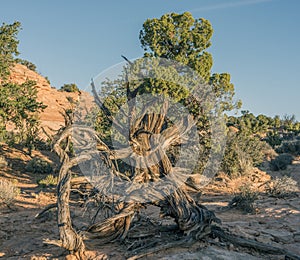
<point x="19" y="107"/>
<point x="8" y="47"/>
<point x="184" y="39"/>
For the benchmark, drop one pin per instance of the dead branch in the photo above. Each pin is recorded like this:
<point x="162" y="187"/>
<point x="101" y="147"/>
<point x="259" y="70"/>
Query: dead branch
<point x="249" y="243"/>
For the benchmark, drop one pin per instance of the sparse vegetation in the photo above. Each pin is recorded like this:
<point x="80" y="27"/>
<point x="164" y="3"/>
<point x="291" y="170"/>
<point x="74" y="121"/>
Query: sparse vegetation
<point x="19" y="107"/>
<point x="27" y="63"/>
<point x="38" y="165"/>
<point x="49" y="181"/>
<point x="48" y="81"/>
<point x="273" y="138"/>
<point x="8" y="47"/>
<point x="291" y="147"/>
<point x="245" y="199"/>
<point x="243" y="151"/>
<point x="281" y="162"/>
<point x="70" y="88"/>
<point x="282" y="187"/>
<point x="8" y="192"/>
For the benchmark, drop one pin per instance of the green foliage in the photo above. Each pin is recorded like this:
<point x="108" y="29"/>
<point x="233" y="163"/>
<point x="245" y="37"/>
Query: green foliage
<point x="49" y="181"/>
<point x="18" y="102"/>
<point x="182" y="38"/>
<point x="70" y="88"/>
<point x="19" y="107"/>
<point x="250" y="124"/>
<point x="173" y="37"/>
<point x="291" y="147"/>
<point x="288" y="122"/>
<point x="27" y="63"/>
<point x="48" y="80"/>
<point x="38" y="165"/>
<point x="282" y="187"/>
<point x="281" y="162"/>
<point x="245" y="199"/>
<point x="243" y="151"/>
<point x="8" y="47"/>
<point x="8" y="192"/>
<point x="273" y="139"/>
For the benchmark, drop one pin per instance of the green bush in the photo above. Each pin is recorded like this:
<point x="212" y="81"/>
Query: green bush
<point x="8" y="47"/>
<point x="273" y="139"/>
<point x="38" y="165"/>
<point x="244" y="200"/>
<point x="242" y="152"/>
<point x="292" y="147"/>
<point x="281" y="162"/>
<point x="49" y="181"/>
<point x="48" y="81"/>
<point x="70" y="88"/>
<point x="282" y="187"/>
<point x="27" y="63"/>
<point x="19" y="108"/>
<point x="8" y="192"/>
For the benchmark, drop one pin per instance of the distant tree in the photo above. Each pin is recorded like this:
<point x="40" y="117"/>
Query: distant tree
<point x="288" y="122"/>
<point x="8" y="47"/>
<point x="250" y="123"/>
<point x="276" y="122"/>
<point x="48" y="80"/>
<point x="72" y="87"/>
<point x="19" y="107"/>
<point x="184" y="39"/>
<point x="27" y="63"/>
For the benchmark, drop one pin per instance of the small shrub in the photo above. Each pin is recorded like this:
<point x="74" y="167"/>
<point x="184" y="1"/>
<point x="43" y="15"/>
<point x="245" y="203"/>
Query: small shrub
<point x="242" y="152"/>
<point x="70" y="88"/>
<point x="244" y="200"/>
<point x="49" y="181"/>
<point x="48" y="81"/>
<point x="8" y="192"/>
<point x="274" y="139"/>
<point x="27" y="63"/>
<point x="38" y="165"/>
<point x="282" y="187"/>
<point x="281" y="162"/>
<point x="292" y="147"/>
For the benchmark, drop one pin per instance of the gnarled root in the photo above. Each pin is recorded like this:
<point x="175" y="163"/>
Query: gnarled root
<point x="193" y="219"/>
<point x="115" y="227"/>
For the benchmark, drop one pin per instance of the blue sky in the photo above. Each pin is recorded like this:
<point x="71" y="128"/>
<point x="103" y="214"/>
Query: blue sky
<point x="256" y="41"/>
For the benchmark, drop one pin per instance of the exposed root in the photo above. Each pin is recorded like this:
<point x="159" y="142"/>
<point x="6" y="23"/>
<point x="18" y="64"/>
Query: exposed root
<point x="249" y="243"/>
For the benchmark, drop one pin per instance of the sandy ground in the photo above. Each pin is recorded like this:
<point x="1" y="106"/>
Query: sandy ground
<point x="276" y="221"/>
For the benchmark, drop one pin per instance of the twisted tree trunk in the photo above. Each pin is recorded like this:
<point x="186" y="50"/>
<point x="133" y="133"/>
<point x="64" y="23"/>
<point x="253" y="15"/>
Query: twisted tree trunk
<point x="150" y="135"/>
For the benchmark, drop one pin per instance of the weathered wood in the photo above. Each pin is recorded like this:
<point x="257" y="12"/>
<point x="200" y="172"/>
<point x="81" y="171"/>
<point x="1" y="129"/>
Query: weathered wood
<point x="149" y="138"/>
<point x="249" y="243"/>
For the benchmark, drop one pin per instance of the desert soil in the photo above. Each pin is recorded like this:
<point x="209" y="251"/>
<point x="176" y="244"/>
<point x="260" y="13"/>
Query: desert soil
<point x="276" y="221"/>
